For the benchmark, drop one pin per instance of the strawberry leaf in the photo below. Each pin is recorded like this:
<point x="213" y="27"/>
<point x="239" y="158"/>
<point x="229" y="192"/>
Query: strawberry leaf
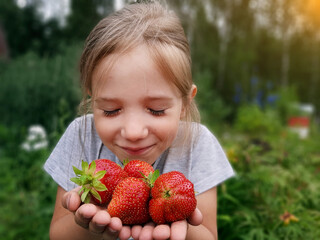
<point x="84" y="179"/>
<point x="97" y="185"/>
<point x="125" y="161"/>
<point x="76" y="181"/>
<point x="153" y="177"/>
<point x="84" y="166"/>
<point x="95" y="194"/>
<point x="92" y="168"/>
<point x="100" y="174"/>
<point x="85" y="197"/>
<point x="144" y="176"/>
<point x="77" y="171"/>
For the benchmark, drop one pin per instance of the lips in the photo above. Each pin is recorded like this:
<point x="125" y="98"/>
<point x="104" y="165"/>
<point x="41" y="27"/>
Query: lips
<point x="135" y="151"/>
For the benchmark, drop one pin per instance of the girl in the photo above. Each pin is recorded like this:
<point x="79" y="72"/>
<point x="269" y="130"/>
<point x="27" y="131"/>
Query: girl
<point x="139" y="104"/>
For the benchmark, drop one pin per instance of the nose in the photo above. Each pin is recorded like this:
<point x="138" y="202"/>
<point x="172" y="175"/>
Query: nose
<point x="134" y="129"/>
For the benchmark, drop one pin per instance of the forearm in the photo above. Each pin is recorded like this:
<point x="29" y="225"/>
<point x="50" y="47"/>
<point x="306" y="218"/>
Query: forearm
<point x="200" y="232"/>
<point x="67" y="228"/>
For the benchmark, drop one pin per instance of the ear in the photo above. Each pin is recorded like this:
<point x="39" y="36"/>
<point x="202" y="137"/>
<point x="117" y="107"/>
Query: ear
<point x="192" y="94"/>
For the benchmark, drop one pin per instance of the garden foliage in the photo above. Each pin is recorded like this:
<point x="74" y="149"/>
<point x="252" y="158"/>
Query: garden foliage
<point x="276" y="191"/>
<point x="275" y="194"/>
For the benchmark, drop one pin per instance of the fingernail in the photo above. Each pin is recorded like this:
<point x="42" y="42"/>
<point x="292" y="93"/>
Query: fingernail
<point x="111" y="230"/>
<point x="68" y="200"/>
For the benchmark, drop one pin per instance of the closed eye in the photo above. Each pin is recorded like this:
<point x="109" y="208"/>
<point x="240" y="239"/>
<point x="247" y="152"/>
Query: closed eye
<point x="156" y="112"/>
<point x="111" y="113"/>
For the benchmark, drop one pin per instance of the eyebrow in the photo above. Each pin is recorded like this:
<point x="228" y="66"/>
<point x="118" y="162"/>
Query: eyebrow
<point x="149" y="98"/>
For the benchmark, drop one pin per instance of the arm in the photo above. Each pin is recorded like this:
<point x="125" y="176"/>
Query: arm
<point x="72" y="221"/>
<point x="207" y="204"/>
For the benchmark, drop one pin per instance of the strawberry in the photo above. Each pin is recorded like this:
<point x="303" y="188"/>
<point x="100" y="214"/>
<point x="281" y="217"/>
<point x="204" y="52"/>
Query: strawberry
<point x="173" y="198"/>
<point x="138" y="168"/>
<point x="130" y="201"/>
<point x="98" y="179"/>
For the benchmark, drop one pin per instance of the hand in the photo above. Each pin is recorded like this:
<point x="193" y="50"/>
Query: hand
<point x="94" y="218"/>
<point x="175" y="231"/>
<point x="98" y="221"/>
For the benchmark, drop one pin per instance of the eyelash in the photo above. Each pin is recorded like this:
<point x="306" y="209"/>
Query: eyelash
<point x="116" y="111"/>
<point x="156" y="112"/>
<point x="111" y="113"/>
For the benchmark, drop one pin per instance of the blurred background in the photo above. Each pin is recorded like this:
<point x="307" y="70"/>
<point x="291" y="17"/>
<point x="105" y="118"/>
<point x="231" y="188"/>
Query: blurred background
<point x="257" y="67"/>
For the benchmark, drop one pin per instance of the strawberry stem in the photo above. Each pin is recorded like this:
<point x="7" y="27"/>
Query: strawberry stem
<point x="89" y="180"/>
<point x="152" y="177"/>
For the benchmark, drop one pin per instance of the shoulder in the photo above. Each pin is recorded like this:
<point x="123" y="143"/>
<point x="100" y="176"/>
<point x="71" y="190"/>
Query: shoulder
<point x="83" y="121"/>
<point x="208" y="164"/>
<point x="82" y="126"/>
<point x="199" y="134"/>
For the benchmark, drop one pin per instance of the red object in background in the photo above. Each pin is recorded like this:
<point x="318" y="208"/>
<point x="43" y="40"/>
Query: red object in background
<point x="299" y="122"/>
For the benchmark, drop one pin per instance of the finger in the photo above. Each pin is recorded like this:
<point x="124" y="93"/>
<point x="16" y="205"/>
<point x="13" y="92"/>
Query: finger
<point x="84" y="214"/>
<point x="135" y="231"/>
<point x="71" y="200"/>
<point x="99" y="221"/>
<point x="147" y="231"/>
<point x="196" y="218"/>
<point x="161" y="232"/>
<point x="179" y="230"/>
<point x="114" y="228"/>
<point x="125" y="233"/>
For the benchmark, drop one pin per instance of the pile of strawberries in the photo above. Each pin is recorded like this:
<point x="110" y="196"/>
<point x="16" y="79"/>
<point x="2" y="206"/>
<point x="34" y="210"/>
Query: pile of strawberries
<point x="136" y="193"/>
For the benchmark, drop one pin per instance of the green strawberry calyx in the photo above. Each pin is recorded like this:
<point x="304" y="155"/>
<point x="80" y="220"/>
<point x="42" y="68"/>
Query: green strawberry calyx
<point x="89" y="180"/>
<point x="151" y="178"/>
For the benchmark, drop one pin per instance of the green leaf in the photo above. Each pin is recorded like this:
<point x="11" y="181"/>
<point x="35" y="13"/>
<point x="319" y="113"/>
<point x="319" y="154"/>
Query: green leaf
<point x="142" y="174"/>
<point x="92" y="168"/>
<point x="153" y="177"/>
<point x="84" y="197"/>
<point x="76" y="181"/>
<point x="84" y="166"/>
<point x="100" y="174"/>
<point x="125" y="161"/>
<point x="99" y="186"/>
<point x="81" y="190"/>
<point x="77" y="171"/>
<point x="95" y="194"/>
<point x="85" y="179"/>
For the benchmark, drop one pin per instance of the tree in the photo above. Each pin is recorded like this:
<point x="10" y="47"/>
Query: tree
<point x="84" y="16"/>
<point x="25" y="30"/>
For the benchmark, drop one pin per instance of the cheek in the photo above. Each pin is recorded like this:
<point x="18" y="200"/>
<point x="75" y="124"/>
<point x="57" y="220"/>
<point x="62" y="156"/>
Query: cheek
<point x="167" y="131"/>
<point x="104" y="129"/>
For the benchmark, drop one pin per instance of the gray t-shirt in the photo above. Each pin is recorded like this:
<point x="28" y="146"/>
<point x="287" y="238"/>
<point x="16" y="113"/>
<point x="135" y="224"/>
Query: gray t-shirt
<point x="202" y="161"/>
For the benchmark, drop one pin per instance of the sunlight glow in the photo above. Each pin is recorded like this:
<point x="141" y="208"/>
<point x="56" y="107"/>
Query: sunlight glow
<point x="21" y="3"/>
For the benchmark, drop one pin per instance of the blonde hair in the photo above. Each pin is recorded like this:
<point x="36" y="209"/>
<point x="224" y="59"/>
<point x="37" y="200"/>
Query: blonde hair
<point x="142" y="23"/>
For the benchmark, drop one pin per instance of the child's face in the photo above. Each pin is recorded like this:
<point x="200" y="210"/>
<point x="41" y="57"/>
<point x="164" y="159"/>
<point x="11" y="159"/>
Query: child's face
<point x="136" y="110"/>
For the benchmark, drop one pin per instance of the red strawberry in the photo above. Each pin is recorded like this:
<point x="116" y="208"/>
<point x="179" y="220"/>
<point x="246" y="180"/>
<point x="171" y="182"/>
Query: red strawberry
<point x="173" y="198"/>
<point x="98" y="179"/>
<point x="130" y="201"/>
<point x="138" y="168"/>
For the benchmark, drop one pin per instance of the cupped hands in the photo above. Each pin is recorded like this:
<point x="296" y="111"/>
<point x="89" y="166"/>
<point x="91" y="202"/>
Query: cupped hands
<point x="98" y="221"/>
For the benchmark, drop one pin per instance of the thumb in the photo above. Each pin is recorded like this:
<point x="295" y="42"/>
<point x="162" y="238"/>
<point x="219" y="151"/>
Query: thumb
<point x="196" y="218"/>
<point x="71" y="200"/>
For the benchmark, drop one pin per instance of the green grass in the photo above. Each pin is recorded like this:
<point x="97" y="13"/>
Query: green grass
<point x="275" y="176"/>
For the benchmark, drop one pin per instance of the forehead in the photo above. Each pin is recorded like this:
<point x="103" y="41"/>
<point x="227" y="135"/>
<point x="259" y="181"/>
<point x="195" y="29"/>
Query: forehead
<point x="134" y="68"/>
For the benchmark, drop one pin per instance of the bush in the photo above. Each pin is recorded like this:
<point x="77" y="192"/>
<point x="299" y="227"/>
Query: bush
<point x="253" y="120"/>
<point x="211" y="106"/>
<point x="27" y="192"/>
<point x="276" y="193"/>
<point x="38" y="90"/>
